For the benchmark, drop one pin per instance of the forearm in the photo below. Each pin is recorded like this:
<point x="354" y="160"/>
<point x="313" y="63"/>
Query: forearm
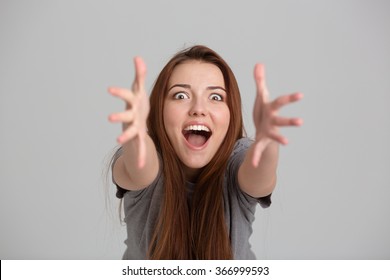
<point x="127" y="172"/>
<point x="261" y="180"/>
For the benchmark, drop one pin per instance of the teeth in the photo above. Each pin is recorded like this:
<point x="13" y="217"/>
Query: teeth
<point x="197" y="127"/>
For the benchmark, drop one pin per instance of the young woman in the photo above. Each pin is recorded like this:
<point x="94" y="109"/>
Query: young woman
<point x="189" y="178"/>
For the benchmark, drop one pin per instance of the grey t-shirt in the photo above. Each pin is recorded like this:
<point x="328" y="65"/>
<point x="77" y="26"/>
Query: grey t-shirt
<point x="142" y="208"/>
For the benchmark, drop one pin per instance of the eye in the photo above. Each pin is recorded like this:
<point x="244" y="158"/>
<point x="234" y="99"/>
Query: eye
<point x="180" y="95"/>
<point x="216" y="97"/>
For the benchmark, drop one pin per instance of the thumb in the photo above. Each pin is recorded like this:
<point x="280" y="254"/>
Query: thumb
<point x="140" y="73"/>
<point x="261" y="88"/>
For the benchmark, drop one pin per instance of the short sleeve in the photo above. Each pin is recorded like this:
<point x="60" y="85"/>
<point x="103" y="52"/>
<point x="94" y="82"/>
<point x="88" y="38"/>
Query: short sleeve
<point x="119" y="191"/>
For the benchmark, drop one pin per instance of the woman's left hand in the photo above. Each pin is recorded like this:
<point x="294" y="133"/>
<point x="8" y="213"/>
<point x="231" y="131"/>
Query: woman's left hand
<point x="265" y="115"/>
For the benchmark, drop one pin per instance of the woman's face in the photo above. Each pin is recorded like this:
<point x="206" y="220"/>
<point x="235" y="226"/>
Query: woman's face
<point x="196" y="115"/>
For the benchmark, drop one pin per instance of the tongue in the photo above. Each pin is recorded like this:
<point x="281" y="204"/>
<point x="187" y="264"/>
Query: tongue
<point x="196" y="140"/>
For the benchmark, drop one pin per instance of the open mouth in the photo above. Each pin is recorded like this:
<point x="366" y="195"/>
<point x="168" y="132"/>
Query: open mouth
<point x="197" y="135"/>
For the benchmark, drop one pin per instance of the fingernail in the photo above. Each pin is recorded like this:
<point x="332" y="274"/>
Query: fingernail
<point x="299" y="122"/>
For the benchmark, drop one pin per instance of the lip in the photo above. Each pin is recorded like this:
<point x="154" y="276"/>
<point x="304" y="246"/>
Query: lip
<point x="192" y="147"/>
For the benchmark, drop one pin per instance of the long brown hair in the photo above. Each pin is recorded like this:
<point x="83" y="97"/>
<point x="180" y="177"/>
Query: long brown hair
<point x="196" y="231"/>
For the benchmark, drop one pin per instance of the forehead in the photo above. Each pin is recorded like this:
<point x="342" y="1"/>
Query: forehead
<point x="197" y="73"/>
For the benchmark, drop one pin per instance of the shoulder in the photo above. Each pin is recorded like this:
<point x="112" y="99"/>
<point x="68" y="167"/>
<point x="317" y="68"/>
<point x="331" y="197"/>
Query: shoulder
<point x="242" y="144"/>
<point x="235" y="161"/>
<point x="240" y="148"/>
<point x="236" y="158"/>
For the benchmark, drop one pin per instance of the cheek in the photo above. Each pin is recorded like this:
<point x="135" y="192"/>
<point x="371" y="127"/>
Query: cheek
<point x="171" y="119"/>
<point x="223" y="117"/>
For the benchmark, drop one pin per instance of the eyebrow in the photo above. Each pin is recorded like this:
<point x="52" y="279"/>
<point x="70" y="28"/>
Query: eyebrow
<point x="189" y="87"/>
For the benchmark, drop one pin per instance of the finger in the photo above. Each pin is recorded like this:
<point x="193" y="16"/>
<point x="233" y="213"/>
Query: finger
<point x="125" y="117"/>
<point x="278" y="138"/>
<point x="128" y="134"/>
<point x="140" y="73"/>
<point x="280" y="121"/>
<point x="285" y="99"/>
<point x="122" y="93"/>
<point x="261" y="88"/>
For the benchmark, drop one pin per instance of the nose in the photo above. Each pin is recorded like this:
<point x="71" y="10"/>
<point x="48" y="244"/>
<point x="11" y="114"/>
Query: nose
<point x="198" y="108"/>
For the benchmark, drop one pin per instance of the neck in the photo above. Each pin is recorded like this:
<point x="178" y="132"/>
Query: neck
<point x="191" y="174"/>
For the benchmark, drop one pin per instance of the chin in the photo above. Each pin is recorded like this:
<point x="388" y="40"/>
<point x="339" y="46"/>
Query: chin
<point x="195" y="165"/>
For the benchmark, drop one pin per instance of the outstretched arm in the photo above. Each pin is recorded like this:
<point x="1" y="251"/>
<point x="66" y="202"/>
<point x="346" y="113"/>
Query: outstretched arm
<point x="138" y="166"/>
<point x="257" y="174"/>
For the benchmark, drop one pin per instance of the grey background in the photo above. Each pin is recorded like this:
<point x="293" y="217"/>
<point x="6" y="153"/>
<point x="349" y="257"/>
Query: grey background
<point x="58" y="57"/>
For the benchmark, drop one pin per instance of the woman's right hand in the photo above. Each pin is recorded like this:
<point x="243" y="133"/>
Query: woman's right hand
<point x="134" y="117"/>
